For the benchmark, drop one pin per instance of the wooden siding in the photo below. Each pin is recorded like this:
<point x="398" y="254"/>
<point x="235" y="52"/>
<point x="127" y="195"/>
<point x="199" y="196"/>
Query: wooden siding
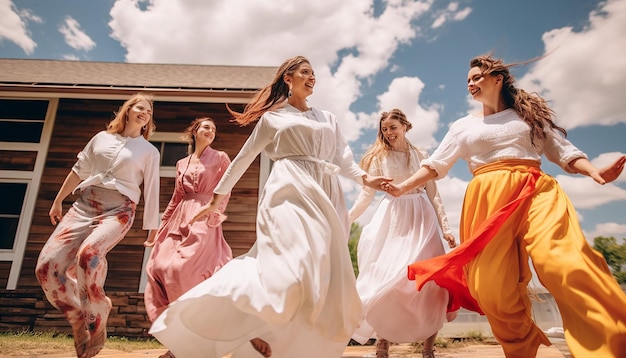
<point x="77" y="120"/>
<point x="5" y="268"/>
<point x="29" y="310"/>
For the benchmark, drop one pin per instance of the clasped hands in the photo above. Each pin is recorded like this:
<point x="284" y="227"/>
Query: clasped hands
<point x="393" y="189"/>
<point x="384" y="184"/>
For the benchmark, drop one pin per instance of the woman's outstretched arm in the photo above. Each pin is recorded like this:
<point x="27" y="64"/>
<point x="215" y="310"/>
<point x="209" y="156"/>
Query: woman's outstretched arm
<point x="421" y="176"/>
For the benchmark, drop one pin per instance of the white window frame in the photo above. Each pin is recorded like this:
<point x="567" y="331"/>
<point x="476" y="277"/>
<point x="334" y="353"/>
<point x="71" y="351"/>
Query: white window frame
<point x="33" y="181"/>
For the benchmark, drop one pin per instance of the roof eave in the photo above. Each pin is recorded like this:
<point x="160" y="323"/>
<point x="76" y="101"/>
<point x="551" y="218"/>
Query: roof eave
<point x="224" y="95"/>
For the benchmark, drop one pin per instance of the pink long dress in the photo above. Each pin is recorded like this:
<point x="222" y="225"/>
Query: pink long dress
<point x="185" y="255"/>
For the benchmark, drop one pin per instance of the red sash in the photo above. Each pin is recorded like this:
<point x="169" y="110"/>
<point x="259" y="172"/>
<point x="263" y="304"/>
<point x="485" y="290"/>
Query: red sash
<point x="447" y="270"/>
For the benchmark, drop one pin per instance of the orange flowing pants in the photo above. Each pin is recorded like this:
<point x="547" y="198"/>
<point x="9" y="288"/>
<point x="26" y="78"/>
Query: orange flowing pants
<point x="513" y="211"/>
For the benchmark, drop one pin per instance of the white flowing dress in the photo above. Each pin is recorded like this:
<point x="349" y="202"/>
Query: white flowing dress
<point x="295" y="288"/>
<point x="402" y="231"/>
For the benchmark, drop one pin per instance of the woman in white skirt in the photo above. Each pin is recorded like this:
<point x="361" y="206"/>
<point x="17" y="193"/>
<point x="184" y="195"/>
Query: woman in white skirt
<point x="402" y="231"/>
<point x="294" y="293"/>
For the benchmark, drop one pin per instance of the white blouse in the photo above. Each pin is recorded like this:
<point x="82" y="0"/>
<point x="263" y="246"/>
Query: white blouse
<point x="113" y="161"/>
<point x="288" y="133"/>
<point x="500" y="136"/>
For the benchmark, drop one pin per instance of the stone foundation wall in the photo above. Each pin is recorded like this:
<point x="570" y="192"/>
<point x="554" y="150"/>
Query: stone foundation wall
<point x="28" y="310"/>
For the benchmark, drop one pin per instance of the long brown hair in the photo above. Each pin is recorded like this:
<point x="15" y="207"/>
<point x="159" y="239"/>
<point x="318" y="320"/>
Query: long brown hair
<point x="188" y="133"/>
<point x="533" y="109"/>
<point x="118" y="124"/>
<point x="271" y="95"/>
<point x="381" y="146"/>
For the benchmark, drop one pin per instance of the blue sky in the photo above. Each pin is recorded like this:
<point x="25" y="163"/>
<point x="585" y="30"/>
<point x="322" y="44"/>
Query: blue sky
<point x="371" y="56"/>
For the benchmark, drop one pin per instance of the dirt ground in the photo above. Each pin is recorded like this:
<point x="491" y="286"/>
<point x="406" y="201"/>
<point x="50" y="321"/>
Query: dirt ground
<point x="396" y="351"/>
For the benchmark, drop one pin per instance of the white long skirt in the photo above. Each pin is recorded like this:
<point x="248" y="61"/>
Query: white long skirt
<point x="295" y="288"/>
<point x="402" y="231"/>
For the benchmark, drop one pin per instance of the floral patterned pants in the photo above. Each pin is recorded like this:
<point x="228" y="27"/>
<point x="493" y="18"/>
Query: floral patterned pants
<point x="72" y="265"/>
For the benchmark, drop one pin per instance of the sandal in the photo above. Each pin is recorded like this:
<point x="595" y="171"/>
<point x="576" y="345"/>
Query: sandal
<point x="430" y="353"/>
<point x="382" y="348"/>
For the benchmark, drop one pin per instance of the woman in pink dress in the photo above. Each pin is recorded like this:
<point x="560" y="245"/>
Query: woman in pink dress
<point x="186" y="254"/>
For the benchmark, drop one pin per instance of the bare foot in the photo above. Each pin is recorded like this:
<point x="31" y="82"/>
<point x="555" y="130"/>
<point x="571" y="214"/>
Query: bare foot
<point x="261" y="346"/>
<point x="81" y="339"/>
<point x="80" y="331"/>
<point x="96" y="343"/>
<point x="98" y="331"/>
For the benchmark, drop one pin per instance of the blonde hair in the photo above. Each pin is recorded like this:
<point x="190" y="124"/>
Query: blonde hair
<point x="381" y="146"/>
<point x="188" y="133"/>
<point x="271" y="95"/>
<point x="533" y="109"/>
<point x="118" y="124"/>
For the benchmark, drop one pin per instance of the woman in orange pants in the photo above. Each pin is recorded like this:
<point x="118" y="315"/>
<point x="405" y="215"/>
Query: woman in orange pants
<point x="512" y="212"/>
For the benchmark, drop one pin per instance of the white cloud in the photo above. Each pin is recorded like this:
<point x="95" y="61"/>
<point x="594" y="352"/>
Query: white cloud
<point x="585" y="193"/>
<point x="346" y="43"/>
<point x="584" y="74"/>
<point x="74" y="36"/>
<point x="266" y="33"/>
<point x="452" y="192"/>
<point x="616" y="230"/>
<point x="451" y="13"/>
<point x="14" y="26"/>
<point x="71" y="57"/>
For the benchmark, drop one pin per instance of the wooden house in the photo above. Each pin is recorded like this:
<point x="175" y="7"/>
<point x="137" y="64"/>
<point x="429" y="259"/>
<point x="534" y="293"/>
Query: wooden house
<point x="49" y="110"/>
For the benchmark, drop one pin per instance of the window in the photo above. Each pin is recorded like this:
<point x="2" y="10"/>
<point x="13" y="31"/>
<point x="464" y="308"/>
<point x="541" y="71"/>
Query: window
<point x="172" y="148"/>
<point x="10" y="209"/>
<point x="170" y="152"/>
<point x="25" y="128"/>
<point x="22" y="121"/>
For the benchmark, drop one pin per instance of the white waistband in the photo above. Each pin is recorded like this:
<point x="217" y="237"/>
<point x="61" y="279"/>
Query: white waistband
<point x="329" y="168"/>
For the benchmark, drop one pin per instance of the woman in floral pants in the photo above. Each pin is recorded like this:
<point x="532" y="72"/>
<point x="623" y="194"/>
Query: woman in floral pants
<point x="72" y="265"/>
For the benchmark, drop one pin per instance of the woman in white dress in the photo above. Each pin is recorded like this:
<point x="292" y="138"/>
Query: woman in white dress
<point x="402" y="231"/>
<point x="294" y="293"/>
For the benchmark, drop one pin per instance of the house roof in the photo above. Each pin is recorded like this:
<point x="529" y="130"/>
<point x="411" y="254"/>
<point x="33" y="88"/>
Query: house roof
<point x="113" y="75"/>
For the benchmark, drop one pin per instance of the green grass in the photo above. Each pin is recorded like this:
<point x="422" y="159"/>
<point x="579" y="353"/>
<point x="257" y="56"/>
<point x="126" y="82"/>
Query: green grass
<point x="471" y="337"/>
<point x="33" y="343"/>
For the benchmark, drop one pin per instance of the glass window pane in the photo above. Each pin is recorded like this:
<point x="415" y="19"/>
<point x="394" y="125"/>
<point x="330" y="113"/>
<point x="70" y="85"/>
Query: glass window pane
<point x="8" y="230"/>
<point x="172" y="153"/>
<point x="23" y="109"/>
<point x="28" y="132"/>
<point x="12" y="195"/>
